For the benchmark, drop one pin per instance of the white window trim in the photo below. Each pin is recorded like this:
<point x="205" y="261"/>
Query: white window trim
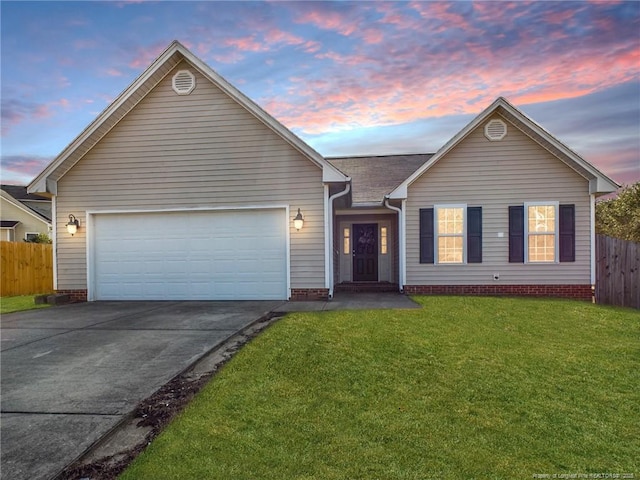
<point x="556" y="233"/>
<point x="436" y="234"/>
<point x="26" y="234"/>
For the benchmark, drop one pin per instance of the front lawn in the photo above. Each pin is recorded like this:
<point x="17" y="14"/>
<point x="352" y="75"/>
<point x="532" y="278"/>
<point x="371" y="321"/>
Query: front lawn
<point x="464" y="388"/>
<point x="19" y="303"/>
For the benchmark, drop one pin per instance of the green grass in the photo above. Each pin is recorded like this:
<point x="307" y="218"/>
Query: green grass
<point x="464" y="388"/>
<point x="18" y="304"/>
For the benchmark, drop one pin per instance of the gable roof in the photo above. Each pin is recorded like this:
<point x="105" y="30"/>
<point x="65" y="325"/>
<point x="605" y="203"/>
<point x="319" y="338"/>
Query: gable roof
<point x="39" y="204"/>
<point x="19" y="205"/>
<point x="599" y="183"/>
<point x="46" y="181"/>
<point x="373" y="177"/>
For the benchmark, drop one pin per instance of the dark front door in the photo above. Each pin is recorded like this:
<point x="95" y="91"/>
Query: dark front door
<point x="365" y="252"/>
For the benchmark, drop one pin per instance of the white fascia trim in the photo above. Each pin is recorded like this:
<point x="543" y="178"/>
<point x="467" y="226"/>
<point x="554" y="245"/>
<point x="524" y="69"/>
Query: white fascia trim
<point x="400" y="192"/>
<point x="603" y="182"/>
<point x="329" y="172"/>
<point x="37" y="183"/>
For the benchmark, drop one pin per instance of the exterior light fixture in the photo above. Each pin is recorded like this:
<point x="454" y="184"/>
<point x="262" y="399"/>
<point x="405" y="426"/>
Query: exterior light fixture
<point x="72" y="226"/>
<point x="298" y="221"/>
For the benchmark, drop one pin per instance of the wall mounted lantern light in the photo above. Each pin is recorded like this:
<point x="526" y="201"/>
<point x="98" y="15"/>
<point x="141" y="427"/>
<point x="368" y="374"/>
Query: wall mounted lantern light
<point x="72" y="226"/>
<point x="298" y="221"/>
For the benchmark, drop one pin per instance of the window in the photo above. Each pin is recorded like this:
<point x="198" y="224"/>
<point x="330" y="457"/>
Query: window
<point x="541" y="232"/>
<point x="383" y="240"/>
<point x="31" y="236"/>
<point x="346" y="241"/>
<point x="451" y="234"/>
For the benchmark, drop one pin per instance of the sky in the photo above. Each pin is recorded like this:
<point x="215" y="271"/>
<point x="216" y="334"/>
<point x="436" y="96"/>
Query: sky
<point x="349" y="78"/>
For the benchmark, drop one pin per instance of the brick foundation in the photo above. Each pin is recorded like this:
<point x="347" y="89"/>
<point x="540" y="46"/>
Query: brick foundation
<point x="576" y="292"/>
<point x="75" y="295"/>
<point x="302" y="294"/>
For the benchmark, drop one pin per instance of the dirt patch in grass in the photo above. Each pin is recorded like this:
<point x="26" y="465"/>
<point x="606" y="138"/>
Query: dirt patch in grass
<point x="112" y="454"/>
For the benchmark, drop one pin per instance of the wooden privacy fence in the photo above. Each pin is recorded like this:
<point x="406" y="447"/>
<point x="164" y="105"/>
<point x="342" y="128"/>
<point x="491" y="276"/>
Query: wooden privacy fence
<point x="617" y="272"/>
<point x="27" y="268"/>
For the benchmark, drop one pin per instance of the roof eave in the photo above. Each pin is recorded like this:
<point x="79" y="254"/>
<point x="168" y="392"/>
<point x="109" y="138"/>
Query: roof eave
<point x="599" y="183"/>
<point x="43" y="183"/>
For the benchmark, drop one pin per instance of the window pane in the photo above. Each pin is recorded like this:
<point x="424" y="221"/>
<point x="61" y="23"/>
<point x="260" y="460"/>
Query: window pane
<point x="542" y="248"/>
<point x="542" y="218"/>
<point x="450" y="221"/>
<point x="450" y="250"/>
<point x="346" y="246"/>
<point x="383" y="240"/>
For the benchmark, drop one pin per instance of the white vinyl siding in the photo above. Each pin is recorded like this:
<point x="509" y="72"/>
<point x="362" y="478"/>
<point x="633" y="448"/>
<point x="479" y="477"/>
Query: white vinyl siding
<point x="494" y="175"/>
<point x="201" y="150"/>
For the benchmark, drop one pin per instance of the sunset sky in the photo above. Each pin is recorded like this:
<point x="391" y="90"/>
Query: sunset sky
<point x="349" y="78"/>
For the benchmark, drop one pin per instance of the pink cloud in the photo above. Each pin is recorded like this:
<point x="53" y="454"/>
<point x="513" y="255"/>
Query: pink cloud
<point x="372" y="36"/>
<point x="113" y="72"/>
<point x="246" y="44"/>
<point x="327" y="20"/>
<point x="20" y="169"/>
<point x="143" y="57"/>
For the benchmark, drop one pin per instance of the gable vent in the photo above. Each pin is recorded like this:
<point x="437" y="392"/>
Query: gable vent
<point x="183" y="82"/>
<point x="495" y="130"/>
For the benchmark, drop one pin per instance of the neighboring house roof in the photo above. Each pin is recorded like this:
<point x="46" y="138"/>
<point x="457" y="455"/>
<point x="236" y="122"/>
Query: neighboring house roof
<point x="24" y="207"/>
<point x="39" y="204"/>
<point x="46" y="181"/>
<point x="373" y="177"/>
<point x="8" y="223"/>
<point x="599" y="183"/>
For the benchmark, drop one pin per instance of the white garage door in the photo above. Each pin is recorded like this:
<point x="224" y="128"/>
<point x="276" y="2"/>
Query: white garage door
<point x="212" y="255"/>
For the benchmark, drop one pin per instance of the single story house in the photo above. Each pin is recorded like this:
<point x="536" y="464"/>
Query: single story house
<point x="23" y="216"/>
<point x="184" y="188"/>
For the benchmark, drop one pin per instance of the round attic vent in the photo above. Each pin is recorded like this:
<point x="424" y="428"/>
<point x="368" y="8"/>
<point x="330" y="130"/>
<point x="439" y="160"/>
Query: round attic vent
<point x="183" y="82"/>
<point x="495" y="130"/>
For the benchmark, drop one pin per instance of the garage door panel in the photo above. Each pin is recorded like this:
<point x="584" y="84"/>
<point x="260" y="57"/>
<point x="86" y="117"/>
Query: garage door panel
<point x="216" y="255"/>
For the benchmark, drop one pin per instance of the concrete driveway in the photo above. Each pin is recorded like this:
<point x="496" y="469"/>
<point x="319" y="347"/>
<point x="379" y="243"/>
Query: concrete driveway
<point x="69" y="374"/>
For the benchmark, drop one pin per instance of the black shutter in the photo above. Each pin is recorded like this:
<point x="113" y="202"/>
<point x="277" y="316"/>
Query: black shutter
<point x="567" y="229"/>
<point x="516" y="234"/>
<point x="474" y="235"/>
<point x="426" y="235"/>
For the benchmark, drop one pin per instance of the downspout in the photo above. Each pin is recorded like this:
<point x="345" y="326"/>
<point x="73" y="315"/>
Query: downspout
<point x="331" y="199"/>
<point x="54" y="239"/>
<point x="592" y="205"/>
<point x="401" y="246"/>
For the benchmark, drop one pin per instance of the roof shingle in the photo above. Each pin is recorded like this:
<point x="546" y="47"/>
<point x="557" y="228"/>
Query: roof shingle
<point x="372" y="177"/>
